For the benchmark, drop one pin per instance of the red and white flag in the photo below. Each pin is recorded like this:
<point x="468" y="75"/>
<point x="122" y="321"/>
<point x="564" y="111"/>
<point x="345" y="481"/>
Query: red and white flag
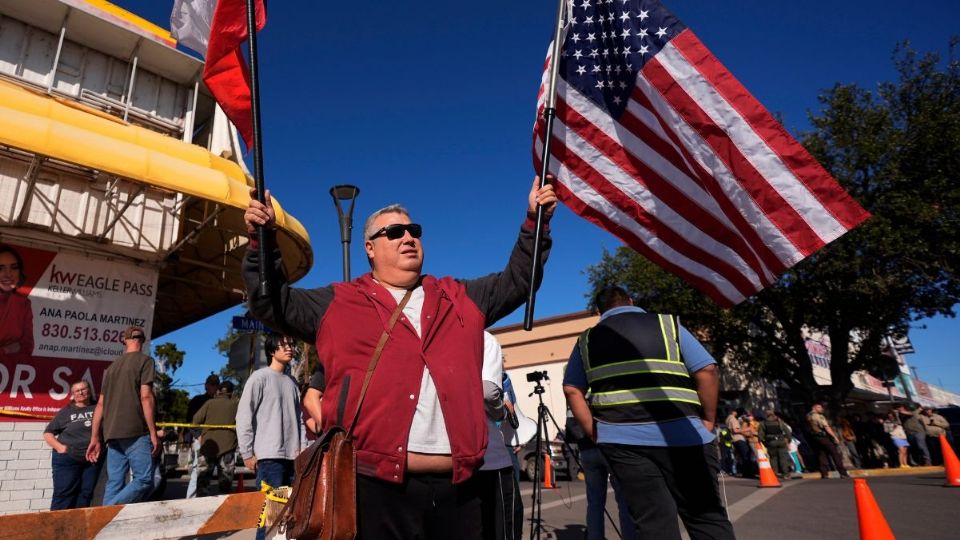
<point x="655" y="141"/>
<point x="226" y="73"/>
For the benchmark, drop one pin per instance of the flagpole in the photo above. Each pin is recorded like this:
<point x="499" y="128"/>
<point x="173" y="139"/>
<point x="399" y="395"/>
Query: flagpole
<point x="263" y="253"/>
<point x="549" y="112"/>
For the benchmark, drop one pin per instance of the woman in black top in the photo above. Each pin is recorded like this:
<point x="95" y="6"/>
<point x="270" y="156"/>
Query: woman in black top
<point x="69" y="434"/>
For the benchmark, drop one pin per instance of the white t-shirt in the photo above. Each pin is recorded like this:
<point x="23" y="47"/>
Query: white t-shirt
<point x="428" y="431"/>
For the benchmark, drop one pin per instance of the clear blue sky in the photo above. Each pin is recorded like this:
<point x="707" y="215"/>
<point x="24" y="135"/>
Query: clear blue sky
<point x="430" y="104"/>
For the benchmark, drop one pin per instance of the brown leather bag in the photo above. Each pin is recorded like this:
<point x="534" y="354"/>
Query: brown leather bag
<point x="323" y="504"/>
<point x="325" y="474"/>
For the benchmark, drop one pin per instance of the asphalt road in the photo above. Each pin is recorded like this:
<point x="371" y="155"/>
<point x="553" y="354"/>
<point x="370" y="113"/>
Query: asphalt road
<point x="915" y="506"/>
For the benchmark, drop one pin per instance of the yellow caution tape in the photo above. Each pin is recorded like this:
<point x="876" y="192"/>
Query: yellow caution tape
<point x="203" y="426"/>
<point x="268" y="491"/>
<point x="7" y="412"/>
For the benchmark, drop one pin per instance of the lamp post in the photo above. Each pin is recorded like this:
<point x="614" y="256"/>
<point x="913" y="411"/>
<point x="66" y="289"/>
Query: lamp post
<point x="343" y="193"/>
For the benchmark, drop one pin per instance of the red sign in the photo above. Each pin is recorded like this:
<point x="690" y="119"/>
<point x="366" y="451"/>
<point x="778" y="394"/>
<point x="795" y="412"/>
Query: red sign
<point x="62" y="318"/>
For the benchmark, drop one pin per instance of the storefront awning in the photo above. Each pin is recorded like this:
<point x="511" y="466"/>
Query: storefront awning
<point x="200" y="264"/>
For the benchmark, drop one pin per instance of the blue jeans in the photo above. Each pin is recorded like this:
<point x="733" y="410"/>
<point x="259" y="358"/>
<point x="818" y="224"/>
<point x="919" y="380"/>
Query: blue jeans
<point x="73" y="482"/>
<point x="595" y="471"/>
<point x="276" y="473"/>
<point x="124" y="456"/>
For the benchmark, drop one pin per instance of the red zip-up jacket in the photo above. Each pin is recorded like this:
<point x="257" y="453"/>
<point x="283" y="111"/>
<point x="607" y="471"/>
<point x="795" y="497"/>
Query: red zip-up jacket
<point x="347" y="319"/>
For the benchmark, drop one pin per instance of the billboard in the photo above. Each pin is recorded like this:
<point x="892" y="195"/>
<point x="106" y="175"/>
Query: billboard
<point x="62" y="317"/>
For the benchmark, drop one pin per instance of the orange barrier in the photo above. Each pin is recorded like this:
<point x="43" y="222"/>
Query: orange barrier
<point x="548" y="482"/>
<point x="154" y="520"/>
<point x="951" y="465"/>
<point x="767" y="477"/>
<point x="873" y="526"/>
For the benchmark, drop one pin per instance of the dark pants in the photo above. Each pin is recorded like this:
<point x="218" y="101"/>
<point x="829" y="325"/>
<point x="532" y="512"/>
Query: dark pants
<point x="828" y="450"/>
<point x="745" y="463"/>
<point x="660" y="483"/>
<point x="728" y="461"/>
<point x="936" y="452"/>
<point x="502" y="508"/>
<point x="780" y="460"/>
<point x="424" y="507"/>
<point x="73" y="481"/>
<point x="276" y="473"/>
<point x="596" y="470"/>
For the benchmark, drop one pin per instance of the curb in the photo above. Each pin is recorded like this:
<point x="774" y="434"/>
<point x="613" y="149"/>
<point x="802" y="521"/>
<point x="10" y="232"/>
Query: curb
<point x="870" y="473"/>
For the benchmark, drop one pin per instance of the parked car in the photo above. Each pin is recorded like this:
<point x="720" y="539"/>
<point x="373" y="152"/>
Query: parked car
<point x="558" y="459"/>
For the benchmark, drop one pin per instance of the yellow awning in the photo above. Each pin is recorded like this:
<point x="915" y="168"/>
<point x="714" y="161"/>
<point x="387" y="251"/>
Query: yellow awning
<point x="203" y="276"/>
<point x="72" y="132"/>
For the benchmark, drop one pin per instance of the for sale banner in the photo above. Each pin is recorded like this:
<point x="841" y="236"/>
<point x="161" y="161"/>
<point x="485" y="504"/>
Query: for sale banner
<point x="62" y="317"/>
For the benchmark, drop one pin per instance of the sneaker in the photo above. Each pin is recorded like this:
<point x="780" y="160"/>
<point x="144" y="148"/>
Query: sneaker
<point x="844" y="476"/>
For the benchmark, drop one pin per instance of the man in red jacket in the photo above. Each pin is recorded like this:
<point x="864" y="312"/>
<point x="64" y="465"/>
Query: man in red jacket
<point x="421" y="433"/>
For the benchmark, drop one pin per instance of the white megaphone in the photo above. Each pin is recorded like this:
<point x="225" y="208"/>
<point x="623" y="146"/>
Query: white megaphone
<point x="520" y="436"/>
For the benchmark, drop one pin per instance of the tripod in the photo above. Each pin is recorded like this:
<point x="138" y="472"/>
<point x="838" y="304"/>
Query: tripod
<point x="543" y="413"/>
<point x="537" y="498"/>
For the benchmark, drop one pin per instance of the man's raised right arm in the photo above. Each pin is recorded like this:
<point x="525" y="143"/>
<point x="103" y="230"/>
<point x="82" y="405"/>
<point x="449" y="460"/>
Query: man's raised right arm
<point x="291" y="311"/>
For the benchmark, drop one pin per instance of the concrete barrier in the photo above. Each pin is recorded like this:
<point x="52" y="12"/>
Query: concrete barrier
<point x="145" y="521"/>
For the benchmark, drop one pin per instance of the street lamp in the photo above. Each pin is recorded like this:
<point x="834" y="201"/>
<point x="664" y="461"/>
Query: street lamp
<point x="345" y="193"/>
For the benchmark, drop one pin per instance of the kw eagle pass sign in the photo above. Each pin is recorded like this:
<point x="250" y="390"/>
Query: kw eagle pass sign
<point x="64" y="322"/>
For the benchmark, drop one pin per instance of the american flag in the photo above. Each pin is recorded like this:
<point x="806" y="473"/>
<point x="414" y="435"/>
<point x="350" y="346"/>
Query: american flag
<point x="655" y="141"/>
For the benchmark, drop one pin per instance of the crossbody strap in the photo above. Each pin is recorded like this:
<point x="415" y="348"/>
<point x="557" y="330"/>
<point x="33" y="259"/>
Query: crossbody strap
<point x="376" y="358"/>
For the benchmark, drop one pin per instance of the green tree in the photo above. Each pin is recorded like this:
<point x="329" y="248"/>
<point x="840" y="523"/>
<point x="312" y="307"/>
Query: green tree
<point x="897" y="151"/>
<point x="171" y="402"/>
<point x="226" y="372"/>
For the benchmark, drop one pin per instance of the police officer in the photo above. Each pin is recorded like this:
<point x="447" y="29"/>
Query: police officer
<point x="775" y="434"/>
<point x="652" y="411"/>
<point x="826" y="441"/>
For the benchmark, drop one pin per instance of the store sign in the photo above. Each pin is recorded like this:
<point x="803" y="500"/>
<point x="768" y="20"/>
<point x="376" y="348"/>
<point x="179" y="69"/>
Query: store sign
<point x="248" y="324"/>
<point x="64" y="323"/>
<point x="819" y="354"/>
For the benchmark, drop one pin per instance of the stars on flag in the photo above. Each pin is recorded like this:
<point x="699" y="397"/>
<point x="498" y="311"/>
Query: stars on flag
<point x="622" y="39"/>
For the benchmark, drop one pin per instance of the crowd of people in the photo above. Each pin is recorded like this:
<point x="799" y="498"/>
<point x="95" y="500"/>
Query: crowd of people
<point x="904" y="436"/>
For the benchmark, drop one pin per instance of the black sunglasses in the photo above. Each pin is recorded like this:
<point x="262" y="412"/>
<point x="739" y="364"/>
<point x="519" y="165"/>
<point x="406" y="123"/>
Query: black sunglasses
<point x="396" y="231"/>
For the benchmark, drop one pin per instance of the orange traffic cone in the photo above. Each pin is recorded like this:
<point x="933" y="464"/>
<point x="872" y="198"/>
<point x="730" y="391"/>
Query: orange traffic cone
<point x="240" y="488"/>
<point x="873" y="526"/>
<point x="548" y="482"/>
<point x="767" y="476"/>
<point x="951" y="465"/>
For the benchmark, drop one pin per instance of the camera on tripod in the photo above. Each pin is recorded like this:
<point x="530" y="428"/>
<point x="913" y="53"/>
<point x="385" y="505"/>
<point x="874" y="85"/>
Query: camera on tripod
<point x="537" y="376"/>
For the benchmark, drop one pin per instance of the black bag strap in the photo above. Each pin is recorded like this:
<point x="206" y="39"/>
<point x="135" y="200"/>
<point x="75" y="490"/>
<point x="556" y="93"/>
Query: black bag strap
<point x="376" y="358"/>
<point x="342" y="401"/>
